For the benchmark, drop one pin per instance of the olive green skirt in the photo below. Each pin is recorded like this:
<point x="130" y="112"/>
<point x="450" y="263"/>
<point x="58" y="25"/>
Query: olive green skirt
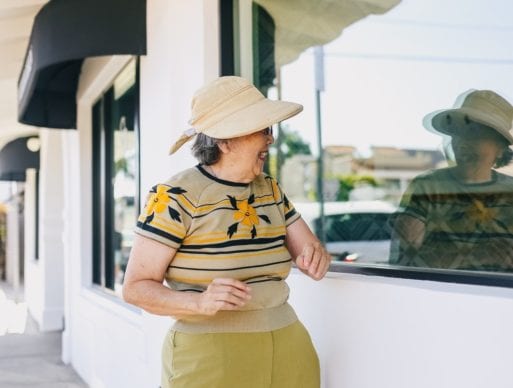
<point x="283" y="358"/>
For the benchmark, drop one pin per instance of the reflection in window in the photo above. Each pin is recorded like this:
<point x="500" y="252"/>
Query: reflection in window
<point x="115" y="166"/>
<point x="384" y="66"/>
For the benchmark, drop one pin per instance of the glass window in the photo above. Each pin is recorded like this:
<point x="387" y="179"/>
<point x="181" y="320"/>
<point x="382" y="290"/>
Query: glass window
<point x="115" y="177"/>
<point x="400" y="159"/>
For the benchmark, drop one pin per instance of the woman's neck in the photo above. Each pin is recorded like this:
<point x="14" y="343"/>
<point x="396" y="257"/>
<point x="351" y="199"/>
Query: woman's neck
<point x="229" y="171"/>
<point x="473" y="174"/>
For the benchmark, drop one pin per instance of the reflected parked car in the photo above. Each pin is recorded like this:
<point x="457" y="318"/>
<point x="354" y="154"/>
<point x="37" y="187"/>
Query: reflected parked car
<point x="355" y="230"/>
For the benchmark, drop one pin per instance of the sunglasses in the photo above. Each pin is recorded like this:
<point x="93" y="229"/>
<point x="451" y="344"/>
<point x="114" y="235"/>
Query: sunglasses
<point x="267" y="131"/>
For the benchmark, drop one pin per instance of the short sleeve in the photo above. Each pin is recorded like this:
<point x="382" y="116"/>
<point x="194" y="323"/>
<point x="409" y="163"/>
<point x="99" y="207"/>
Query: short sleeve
<point x="290" y="214"/>
<point x="415" y="201"/>
<point x="164" y="218"/>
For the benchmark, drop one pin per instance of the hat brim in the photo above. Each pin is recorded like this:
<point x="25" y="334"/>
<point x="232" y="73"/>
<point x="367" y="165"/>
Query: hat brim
<point x="448" y="120"/>
<point x="255" y="117"/>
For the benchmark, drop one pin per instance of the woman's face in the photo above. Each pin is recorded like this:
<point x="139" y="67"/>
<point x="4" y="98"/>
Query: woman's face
<point x="477" y="147"/>
<point x="249" y="152"/>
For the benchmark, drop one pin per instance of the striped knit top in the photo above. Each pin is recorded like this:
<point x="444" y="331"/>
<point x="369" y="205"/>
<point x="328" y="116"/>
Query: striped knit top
<point x="467" y="225"/>
<point x="224" y="229"/>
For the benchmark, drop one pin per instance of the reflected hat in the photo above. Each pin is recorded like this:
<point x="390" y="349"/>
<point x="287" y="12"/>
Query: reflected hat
<point x="479" y="106"/>
<point x="231" y="107"/>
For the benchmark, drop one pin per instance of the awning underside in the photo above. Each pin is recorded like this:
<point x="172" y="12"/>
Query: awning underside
<point x="16" y="158"/>
<point x="65" y="32"/>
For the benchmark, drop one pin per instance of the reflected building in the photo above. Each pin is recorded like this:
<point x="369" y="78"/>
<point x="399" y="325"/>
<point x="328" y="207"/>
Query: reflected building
<point x="392" y="168"/>
<point x="298" y="176"/>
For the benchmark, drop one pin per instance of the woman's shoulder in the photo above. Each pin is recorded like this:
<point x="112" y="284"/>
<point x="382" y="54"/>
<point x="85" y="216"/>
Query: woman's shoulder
<point x="265" y="182"/>
<point x="188" y="181"/>
<point x="433" y="176"/>
<point x="504" y="179"/>
<point x="184" y="176"/>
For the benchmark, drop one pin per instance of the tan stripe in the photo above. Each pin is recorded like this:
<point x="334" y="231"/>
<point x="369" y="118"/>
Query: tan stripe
<point x="221" y="236"/>
<point x="209" y="280"/>
<point x="264" y="200"/>
<point x="167" y="228"/>
<point x="282" y="259"/>
<point x="228" y="256"/>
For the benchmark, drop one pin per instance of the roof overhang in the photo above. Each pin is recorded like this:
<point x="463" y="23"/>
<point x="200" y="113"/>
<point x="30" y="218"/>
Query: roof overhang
<point x="17" y="156"/>
<point x="64" y="33"/>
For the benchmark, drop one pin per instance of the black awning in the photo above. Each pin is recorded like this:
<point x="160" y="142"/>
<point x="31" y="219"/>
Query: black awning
<point x="16" y="157"/>
<point x="64" y="33"/>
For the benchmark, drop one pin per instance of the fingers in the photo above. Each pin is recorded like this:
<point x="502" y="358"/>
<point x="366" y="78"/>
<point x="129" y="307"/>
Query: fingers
<point x="231" y="282"/>
<point x="224" y="294"/>
<point x="314" y="260"/>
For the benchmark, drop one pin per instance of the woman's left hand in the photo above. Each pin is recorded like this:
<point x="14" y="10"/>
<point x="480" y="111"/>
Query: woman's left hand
<point x="314" y="260"/>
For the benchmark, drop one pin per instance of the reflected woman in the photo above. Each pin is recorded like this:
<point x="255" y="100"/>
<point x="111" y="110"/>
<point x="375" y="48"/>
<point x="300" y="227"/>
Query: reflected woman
<point x="461" y="217"/>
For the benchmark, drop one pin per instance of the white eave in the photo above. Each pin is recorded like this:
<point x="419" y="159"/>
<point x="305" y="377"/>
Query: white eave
<point x="16" y="19"/>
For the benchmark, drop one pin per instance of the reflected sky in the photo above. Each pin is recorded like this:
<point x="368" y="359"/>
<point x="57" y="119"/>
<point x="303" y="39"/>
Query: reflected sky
<point x="386" y="72"/>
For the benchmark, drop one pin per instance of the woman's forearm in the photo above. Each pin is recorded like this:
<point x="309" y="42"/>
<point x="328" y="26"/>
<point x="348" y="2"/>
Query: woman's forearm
<point x="156" y="298"/>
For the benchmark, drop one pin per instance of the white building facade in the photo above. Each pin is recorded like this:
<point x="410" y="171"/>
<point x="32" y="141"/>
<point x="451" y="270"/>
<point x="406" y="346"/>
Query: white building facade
<point x="371" y="328"/>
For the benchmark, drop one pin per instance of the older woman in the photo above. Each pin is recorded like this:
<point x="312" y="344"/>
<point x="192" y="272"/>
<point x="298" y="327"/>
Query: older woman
<point x="461" y="217"/>
<point x="224" y="235"/>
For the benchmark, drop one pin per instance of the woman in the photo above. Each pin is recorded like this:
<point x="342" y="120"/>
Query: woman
<point x="223" y="235"/>
<point x="461" y="217"/>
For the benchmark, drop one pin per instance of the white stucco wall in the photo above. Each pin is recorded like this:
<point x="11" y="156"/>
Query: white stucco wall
<point x="394" y="333"/>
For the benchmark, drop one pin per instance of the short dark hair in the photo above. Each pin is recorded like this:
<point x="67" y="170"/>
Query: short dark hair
<point x="205" y="149"/>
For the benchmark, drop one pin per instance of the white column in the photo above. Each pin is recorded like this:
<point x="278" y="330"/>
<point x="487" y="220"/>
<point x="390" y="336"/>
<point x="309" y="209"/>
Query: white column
<point x="34" y="288"/>
<point x="12" y="245"/>
<point x="48" y="311"/>
<point x="72" y="235"/>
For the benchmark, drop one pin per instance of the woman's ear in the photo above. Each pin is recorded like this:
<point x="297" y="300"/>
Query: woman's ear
<point x="224" y="146"/>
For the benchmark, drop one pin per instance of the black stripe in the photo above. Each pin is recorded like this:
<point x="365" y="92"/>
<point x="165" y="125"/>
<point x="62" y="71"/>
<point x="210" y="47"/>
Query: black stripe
<point x="268" y="204"/>
<point x="290" y="214"/>
<point x="226" y="199"/>
<point x="231" y="208"/>
<point x="213" y="210"/>
<point x="189" y="290"/>
<point x="218" y="252"/>
<point x="234" y="243"/>
<point x="232" y="269"/>
<point x="181" y="207"/>
<point x="273" y="279"/>
<point x="161" y="233"/>
<point x="222" y="181"/>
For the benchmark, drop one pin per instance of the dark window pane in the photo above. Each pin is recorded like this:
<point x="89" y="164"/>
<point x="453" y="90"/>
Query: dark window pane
<point x="116" y="178"/>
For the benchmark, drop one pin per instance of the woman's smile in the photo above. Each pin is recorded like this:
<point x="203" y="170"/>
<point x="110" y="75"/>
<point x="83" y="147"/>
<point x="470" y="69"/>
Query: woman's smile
<point x="263" y="155"/>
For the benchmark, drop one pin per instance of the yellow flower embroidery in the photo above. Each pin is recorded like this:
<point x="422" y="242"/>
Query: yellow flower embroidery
<point x="157" y="202"/>
<point x="246" y="214"/>
<point x="480" y="213"/>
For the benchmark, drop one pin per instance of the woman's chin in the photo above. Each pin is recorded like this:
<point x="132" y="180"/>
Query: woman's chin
<point x="259" y="169"/>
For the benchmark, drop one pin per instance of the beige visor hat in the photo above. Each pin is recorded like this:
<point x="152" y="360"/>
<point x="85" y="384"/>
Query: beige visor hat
<point x="232" y="107"/>
<point x="478" y="106"/>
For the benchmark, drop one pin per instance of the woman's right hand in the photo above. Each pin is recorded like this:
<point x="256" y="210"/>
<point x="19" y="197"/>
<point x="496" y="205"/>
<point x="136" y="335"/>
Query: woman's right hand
<point x="223" y="294"/>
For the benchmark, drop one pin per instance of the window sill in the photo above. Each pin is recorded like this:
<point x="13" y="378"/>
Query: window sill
<point x="438" y="275"/>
